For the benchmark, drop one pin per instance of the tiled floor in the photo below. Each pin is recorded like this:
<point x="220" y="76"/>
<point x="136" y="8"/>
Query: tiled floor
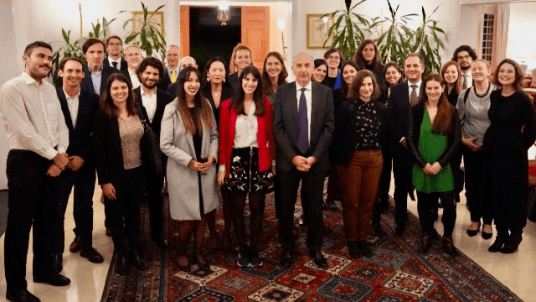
<point x="516" y="271"/>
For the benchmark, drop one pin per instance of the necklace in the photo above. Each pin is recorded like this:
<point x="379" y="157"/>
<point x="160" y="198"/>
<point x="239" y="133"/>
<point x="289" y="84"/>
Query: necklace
<point x="486" y="93"/>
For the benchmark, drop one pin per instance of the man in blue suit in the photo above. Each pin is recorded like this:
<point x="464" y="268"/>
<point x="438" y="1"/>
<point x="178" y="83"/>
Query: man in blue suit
<point x="96" y="73"/>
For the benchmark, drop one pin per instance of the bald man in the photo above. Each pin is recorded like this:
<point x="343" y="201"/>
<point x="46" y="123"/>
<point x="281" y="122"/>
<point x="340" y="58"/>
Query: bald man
<point x="303" y="126"/>
<point x="187" y="62"/>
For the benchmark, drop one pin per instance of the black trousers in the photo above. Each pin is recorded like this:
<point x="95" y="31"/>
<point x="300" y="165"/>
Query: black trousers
<point x="153" y="187"/>
<point x="33" y="198"/>
<point x="475" y="186"/>
<point x="457" y="173"/>
<point x="83" y="181"/>
<point x="385" y="178"/>
<point x="123" y="213"/>
<point x="311" y="196"/>
<point x="428" y="202"/>
<point x="402" y="165"/>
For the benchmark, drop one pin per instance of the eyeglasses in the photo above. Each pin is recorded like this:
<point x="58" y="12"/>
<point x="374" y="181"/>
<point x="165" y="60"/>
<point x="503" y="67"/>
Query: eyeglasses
<point x="334" y="58"/>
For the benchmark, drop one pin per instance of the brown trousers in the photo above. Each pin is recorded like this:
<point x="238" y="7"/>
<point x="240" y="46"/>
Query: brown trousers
<point x="359" y="184"/>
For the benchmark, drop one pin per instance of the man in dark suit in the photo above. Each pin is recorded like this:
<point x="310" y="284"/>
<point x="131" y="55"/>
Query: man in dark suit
<point x="303" y="127"/>
<point x="153" y="101"/>
<point x="114" y="46"/>
<point x="133" y="57"/>
<point x="79" y="108"/>
<point x="96" y="73"/>
<point x="171" y="72"/>
<point x="401" y="99"/>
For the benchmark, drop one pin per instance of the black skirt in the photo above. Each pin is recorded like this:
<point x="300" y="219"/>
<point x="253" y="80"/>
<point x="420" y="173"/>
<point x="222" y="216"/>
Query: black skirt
<point x="245" y="176"/>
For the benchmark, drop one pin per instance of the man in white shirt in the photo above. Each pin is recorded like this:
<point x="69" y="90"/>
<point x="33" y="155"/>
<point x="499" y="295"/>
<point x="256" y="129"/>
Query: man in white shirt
<point x="133" y="57"/>
<point x="38" y="139"/>
<point x="79" y="108"/>
<point x="465" y="55"/>
<point x="114" y="46"/>
<point x="171" y="73"/>
<point x="153" y="101"/>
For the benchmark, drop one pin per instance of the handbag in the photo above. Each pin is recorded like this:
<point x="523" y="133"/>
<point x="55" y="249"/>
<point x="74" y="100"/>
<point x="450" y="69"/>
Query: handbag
<point x="155" y="155"/>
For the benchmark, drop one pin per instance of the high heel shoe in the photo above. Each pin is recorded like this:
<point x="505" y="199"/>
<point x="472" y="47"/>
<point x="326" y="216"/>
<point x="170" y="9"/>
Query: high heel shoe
<point x="448" y="246"/>
<point x="201" y="261"/>
<point x="500" y="240"/>
<point x="486" y="235"/>
<point x="426" y="243"/>
<point x="513" y="243"/>
<point x="473" y="233"/>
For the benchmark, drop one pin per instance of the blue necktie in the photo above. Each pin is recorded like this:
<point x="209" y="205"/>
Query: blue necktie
<point x="303" y="124"/>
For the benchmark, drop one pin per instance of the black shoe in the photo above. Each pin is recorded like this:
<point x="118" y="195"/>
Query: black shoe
<point x="448" y="246"/>
<point x="160" y="242"/>
<point x="22" y="296"/>
<point x="473" y="233"/>
<point x="92" y="255"/>
<point x="243" y="257"/>
<point x="319" y="259"/>
<point x="500" y="240"/>
<point x="138" y="261"/>
<point x="399" y="230"/>
<point x="353" y="251"/>
<point x="513" y="243"/>
<point x="363" y="246"/>
<point x="286" y="259"/>
<point x="74" y="247"/>
<point x="202" y="261"/>
<point x="121" y="264"/>
<point x="426" y="243"/>
<point x="57" y="263"/>
<point x="53" y="279"/>
<point x="254" y="259"/>
<point x="486" y="235"/>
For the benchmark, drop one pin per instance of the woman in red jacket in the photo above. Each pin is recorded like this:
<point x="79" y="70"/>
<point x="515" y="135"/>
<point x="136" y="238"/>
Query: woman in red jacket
<point x="247" y="157"/>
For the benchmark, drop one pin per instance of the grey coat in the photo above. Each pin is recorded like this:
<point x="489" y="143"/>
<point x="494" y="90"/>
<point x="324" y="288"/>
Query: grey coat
<point x="183" y="185"/>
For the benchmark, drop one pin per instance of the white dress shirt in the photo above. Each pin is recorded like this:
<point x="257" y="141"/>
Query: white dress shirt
<point x="110" y="60"/>
<point x="308" y="100"/>
<point x="246" y="128"/>
<point x="134" y="79"/>
<point x="32" y="115"/>
<point x="417" y="89"/>
<point x="149" y="102"/>
<point x="73" y="104"/>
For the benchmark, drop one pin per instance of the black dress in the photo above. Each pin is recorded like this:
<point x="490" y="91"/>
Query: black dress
<point x="198" y="141"/>
<point x="226" y="93"/>
<point x="452" y="97"/>
<point x="457" y="173"/>
<point x="511" y="133"/>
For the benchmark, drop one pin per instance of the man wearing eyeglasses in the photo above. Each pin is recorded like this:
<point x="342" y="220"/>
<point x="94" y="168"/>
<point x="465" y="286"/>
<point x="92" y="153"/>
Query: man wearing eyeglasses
<point x="465" y="55"/>
<point x="114" y="46"/>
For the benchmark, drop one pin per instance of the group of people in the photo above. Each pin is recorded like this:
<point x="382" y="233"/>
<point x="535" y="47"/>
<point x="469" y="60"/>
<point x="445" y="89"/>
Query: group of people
<point x="240" y="133"/>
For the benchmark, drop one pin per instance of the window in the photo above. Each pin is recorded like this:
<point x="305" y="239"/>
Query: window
<point x="487" y="37"/>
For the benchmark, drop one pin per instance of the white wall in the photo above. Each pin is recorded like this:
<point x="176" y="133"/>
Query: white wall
<point x="521" y="42"/>
<point x="468" y="27"/>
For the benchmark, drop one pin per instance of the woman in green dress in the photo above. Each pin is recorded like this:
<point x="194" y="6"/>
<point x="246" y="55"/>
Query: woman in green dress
<point x="433" y="137"/>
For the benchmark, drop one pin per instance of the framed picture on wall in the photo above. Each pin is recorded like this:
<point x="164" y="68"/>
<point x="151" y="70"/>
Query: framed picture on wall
<point x="155" y="19"/>
<point x="317" y="31"/>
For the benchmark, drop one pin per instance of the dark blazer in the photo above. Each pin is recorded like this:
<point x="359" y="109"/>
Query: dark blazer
<point x="165" y="81"/>
<point x="226" y="93"/>
<point x="162" y="99"/>
<point x="87" y="82"/>
<point x="124" y="64"/>
<point x="286" y="126"/>
<point x="344" y="137"/>
<point x="398" y="113"/>
<point x="107" y="148"/>
<point x="80" y="137"/>
<point x="414" y="131"/>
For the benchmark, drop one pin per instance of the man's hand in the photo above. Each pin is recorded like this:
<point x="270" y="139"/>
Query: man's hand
<point x="109" y="190"/>
<point x="470" y="143"/>
<point x="61" y="160"/>
<point x="310" y="162"/>
<point x="75" y="162"/>
<point x="300" y="162"/>
<point x="53" y="170"/>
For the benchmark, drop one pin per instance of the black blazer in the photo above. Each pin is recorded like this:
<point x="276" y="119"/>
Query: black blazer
<point x="344" y="137"/>
<point x="414" y="131"/>
<point x="162" y="99"/>
<point x="87" y="82"/>
<point x="165" y="81"/>
<point x="398" y="113"/>
<point x="172" y="89"/>
<point x="124" y="64"/>
<point x="80" y="143"/>
<point x="286" y="126"/>
<point x="107" y="148"/>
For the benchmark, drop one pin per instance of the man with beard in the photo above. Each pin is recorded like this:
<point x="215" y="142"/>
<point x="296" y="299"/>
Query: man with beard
<point x="465" y="56"/>
<point x="79" y="109"/>
<point x="152" y="101"/>
<point x="133" y="57"/>
<point x="96" y="73"/>
<point x="38" y="139"/>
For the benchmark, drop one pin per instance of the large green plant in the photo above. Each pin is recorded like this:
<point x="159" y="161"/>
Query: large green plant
<point x="100" y="30"/>
<point x="150" y="38"/>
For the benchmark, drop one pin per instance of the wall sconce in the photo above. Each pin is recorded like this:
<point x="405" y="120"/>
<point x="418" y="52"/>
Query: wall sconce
<point x="281" y="25"/>
<point x="223" y="13"/>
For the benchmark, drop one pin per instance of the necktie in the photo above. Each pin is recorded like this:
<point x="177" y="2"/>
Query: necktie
<point x="464" y="81"/>
<point x="114" y="64"/>
<point x="414" y="95"/>
<point x="173" y="77"/>
<point x="303" y="124"/>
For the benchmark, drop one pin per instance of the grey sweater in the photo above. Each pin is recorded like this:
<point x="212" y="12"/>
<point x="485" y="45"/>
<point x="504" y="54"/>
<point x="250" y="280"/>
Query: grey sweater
<point x="474" y="114"/>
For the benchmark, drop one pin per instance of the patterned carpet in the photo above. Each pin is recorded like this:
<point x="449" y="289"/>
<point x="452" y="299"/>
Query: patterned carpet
<point x="395" y="273"/>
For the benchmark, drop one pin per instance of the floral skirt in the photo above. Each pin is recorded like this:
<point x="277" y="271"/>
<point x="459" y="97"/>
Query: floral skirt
<point x="245" y="176"/>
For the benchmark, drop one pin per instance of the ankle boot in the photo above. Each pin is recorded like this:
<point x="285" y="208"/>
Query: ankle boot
<point x="353" y="250"/>
<point x="513" y="242"/>
<point x="426" y="243"/>
<point x="502" y="237"/>
<point x="201" y="261"/>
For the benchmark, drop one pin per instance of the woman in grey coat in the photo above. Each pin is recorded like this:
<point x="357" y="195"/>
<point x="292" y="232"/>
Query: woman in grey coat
<point x="189" y="137"/>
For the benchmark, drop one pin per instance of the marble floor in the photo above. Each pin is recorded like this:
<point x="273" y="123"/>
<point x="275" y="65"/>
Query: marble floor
<point x="516" y="271"/>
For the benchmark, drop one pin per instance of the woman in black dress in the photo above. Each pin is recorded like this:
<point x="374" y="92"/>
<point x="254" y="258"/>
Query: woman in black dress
<point x="216" y="89"/>
<point x="511" y="133"/>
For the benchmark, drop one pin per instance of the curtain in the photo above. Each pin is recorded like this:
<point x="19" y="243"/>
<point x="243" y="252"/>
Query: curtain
<point x="501" y="32"/>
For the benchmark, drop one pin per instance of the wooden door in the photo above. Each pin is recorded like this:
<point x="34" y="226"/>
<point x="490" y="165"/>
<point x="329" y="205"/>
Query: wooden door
<point x="185" y="30"/>
<point x="256" y="31"/>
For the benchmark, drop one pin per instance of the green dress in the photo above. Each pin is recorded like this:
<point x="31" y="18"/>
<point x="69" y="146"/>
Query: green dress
<point x="431" y="146"/>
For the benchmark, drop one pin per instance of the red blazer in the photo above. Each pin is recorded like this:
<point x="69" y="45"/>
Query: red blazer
<point x="265" y="136"/>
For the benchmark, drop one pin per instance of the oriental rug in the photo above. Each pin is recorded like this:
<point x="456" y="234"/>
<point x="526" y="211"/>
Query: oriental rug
<point x="395" y="273"/>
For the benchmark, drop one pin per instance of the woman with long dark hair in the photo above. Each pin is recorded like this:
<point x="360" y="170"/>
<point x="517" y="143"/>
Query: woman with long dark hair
<point x="511" y="133"/>
<point x="320" y="72"/>
<point x="246" y="158"/>
<point x="368" y="57"/>
<point x="216" y="89"/>
<point x="434" y="136"/>
<point x="189" y="138"/>
<point x="359" y="128"/>
<point x="118" y="134"/>
<point x="274" y="74"/>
